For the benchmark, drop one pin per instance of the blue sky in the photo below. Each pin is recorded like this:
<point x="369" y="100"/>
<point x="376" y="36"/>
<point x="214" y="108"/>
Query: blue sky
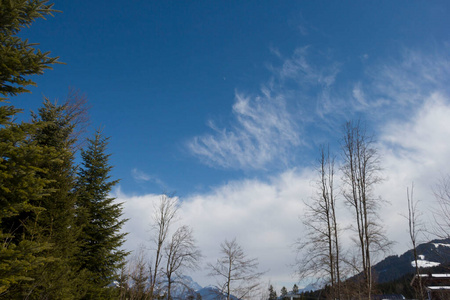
<point x="226" y="103"/>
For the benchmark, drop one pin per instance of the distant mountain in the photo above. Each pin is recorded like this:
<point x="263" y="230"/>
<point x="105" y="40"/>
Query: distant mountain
<point x="431" y="254"/>
<point x="184" y="287"/>
<point x="307" y="288"/>
<point x="187" y="288"/>
<point x="212" y="293"/>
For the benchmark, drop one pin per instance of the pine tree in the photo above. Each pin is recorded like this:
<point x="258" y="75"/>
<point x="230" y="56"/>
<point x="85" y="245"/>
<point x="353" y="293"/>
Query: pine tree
<point x="283" y="291"/>
<point x="100" y="218"/>
<point x="21" y="186"/>
<point x="56" y="224"/>
<point x="18" y="57"/>
<point x="272" y="293"/>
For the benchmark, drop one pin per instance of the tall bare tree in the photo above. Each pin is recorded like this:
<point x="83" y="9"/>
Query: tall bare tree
<point x="361" y="173"/>
<point x="181" y="254"/>
<point x="164" y="215"/>
<point x="415" y="227"/>
<point x="442" y="213"/>
<point x="77" y="110"/>
<point x="318" y="253"/>
<point x="236" y="274"/>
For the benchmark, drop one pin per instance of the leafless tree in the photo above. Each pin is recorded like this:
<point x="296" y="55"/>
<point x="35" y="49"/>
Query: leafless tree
<point x="442" y="213"/>
<point x="181" y="254"/>
<point x="164" y="215"/>
<point x="134" y="277"/>
<point x="77" y="110"/>
<point x="415" y="227"/>
<point x="361" y="173"/>
<point x="318" y="253"/>
<point x="236" y="274"/>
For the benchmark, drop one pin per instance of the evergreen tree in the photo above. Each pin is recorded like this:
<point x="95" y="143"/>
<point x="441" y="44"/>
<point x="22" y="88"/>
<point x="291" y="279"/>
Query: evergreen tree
<point x="21" y="186"/>
<point x="272" y="293"/>
<point x="18" y="57"/>
<point x="100" y="218"/>
<point x="283" y="291"/>
<point x="56" y="224"/>
<point x="295" y="289"/>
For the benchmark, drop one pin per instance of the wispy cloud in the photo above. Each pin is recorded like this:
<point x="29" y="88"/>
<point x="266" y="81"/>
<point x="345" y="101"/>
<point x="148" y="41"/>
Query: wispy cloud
<point x="141" y="176"/>
<point x="266" y="127"/>
<point x="413" y="150"/>
<point x="408" y="102"/>
<point x="263" y="129"/>
<point x="401" y="85"/>
<point x="387" y="89"/>
<point x="299" y="68"/>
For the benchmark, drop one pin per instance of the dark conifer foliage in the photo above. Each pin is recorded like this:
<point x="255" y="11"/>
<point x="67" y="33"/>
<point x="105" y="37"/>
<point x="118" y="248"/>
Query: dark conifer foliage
<point x="21" y="157"/>
<point x="21" y="190"/>
<point x="100" y="218"/>
<point x="19" y="58"/>
<point x="59" y="240"/>
<point x="57" y="222"/>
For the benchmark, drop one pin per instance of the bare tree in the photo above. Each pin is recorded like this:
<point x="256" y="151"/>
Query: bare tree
<point x="134" y="277"/>
<point x="415" y="227"/>
<point x="236" y="274"/>
<point x="318" y="253"/>
<point x="442" y="213"/>
<point x="77" y="110"/>
<point x="181" y="253"/>
<point x="164" y="215"/>
<point x="361" y="173"/>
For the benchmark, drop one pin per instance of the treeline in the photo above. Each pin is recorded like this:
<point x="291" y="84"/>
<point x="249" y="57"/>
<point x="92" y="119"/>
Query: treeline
<point x="59" y="230"/>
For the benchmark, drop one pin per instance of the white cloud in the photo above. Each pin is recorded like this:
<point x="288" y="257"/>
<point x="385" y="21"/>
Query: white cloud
<point x="408" y="101"/>
<point x="423" y="137"/>
<point x="300" y="69"/>
<point x="264" y="215"/>
<point x="415" y="151"/>
<point x="138" y="209"/>
<point x="141" y="176"/>
<point x="400" y="85"/>
<point x="359" y="96"/>
<point x="264" y="131"/>
<point x="266" y="127"/>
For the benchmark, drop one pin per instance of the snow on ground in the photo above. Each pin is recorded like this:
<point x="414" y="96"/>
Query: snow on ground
<point x="440" y="244"/>
<point x="424" y="263"/>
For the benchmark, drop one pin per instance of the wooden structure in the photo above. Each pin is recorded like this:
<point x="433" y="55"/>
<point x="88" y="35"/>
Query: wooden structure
<point x="436" y="286"/>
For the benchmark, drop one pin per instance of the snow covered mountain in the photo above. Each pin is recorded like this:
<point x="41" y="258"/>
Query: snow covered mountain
<point x="431" y="254"/>
<point x="185" y="287"/>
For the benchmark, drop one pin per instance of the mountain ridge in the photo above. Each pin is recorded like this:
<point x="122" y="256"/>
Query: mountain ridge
<point x="430" y="254"/>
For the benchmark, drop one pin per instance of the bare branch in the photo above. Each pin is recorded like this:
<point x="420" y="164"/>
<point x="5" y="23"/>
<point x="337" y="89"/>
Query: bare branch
<point x="441" y="215"/>
<point x="181" y="254"/>
<point x="164" y="215"/>
<point x="361" y="172"/>
<point x="318" y="254"/>
<point x="235" y="273"/>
